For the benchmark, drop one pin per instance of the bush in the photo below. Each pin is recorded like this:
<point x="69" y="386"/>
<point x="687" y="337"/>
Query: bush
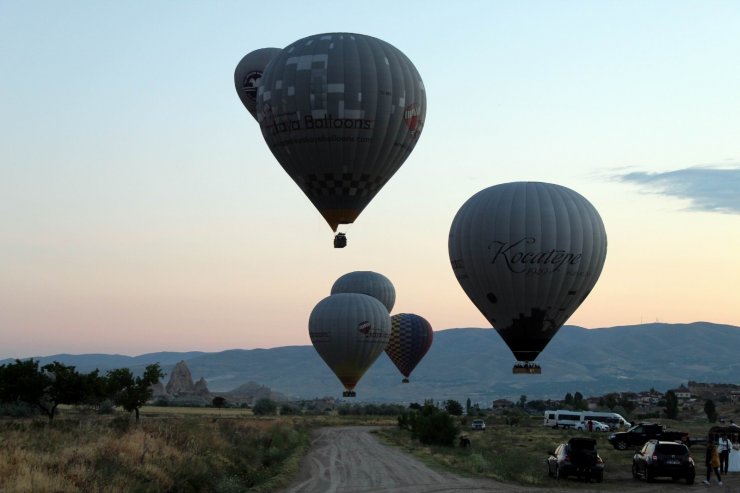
<point x="106" y="407"/>
<point x="287" y="410"/>
<point x="430" y="426"/>
<point x="264" y="407"/>
<point x="18" y="410"/>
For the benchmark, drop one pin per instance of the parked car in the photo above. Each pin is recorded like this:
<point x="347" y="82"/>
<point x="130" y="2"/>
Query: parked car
<point x="668" y="459"/>
<point x="478" y="424"/>
<point x="639" y="435"/>
<point x="595" y="426"/>
<point x="578" y="457"/>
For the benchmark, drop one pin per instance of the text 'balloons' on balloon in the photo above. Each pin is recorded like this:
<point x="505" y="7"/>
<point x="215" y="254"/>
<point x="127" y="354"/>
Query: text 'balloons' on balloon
<point x="349" y="331"/>
<point x="341" y="112"/>
<point x="527" y="254"/>
<point x="411" y="338"/>
<point x="367" y="282"/>
<point x="248" y="73"/>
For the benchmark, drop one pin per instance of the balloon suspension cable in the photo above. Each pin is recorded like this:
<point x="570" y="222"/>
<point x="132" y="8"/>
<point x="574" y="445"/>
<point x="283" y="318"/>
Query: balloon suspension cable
<point x="340" y="240"/>
<point x="526" y="368"/>
<point x="349" y="393"/>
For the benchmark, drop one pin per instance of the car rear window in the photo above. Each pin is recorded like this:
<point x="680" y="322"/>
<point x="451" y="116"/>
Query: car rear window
<point x="671" y="449"/>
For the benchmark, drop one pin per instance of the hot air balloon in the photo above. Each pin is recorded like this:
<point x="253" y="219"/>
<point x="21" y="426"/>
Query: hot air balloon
<point x="527" y="254"/>
<point x="349" y="331"/>
<point x="411" y="338"/>
<point x="341" y="112"/>
<point x="367" y="282"/>
<point x="248" y="73"/>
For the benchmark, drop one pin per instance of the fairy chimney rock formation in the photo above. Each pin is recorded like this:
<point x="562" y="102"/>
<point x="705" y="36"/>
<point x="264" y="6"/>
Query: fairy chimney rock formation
<point x="181" y="381"/>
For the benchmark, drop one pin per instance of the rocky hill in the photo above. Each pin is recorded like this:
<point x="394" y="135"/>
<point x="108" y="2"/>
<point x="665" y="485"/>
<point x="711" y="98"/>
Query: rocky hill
<point x="476" y="363"/>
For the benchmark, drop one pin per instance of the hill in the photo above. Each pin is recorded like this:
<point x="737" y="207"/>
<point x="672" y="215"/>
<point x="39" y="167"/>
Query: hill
<point x="476" y="363"/>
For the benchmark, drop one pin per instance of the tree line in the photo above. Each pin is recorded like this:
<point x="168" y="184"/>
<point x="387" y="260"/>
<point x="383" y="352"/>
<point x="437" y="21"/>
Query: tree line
<point x="24" y="383"/>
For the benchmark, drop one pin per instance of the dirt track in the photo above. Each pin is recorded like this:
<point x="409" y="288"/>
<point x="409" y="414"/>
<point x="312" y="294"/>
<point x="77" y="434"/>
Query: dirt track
<point x="352" y="460"/>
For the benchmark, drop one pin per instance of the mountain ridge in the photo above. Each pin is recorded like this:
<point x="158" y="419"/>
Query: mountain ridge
<point x="475" y="363"/>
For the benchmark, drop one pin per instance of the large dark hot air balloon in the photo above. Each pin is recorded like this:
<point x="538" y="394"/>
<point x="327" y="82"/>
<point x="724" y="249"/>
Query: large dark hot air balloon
<point x="367" y="282"/>
<point x="411" y="338"/>
<point x="349" y="331"/>
<point x="341" y="112"/>
<point x="248" y="73"/>
<point x="527" y="254"/>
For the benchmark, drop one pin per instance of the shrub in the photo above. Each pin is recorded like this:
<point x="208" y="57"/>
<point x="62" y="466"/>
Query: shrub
<point x="430" y="426"/>
<point x="264" y="406"/>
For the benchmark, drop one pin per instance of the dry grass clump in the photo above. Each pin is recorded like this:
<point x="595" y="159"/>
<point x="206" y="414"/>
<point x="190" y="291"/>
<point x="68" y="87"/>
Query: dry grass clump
<point x="173" y="454"/>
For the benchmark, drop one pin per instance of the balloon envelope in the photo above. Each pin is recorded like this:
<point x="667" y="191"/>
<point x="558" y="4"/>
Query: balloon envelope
<point x="527" y="254"/>
<point x="411" y="338"/>
<point x="248" y="73"/>
<point x="349" y="331"/>
<point x="367" y="282"/>
<point x="341" y="112"/>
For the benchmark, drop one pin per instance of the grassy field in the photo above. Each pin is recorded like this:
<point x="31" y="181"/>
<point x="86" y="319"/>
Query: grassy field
<point x="230" y="450"/>
<point x="517" y="454"/>
<point x="177" y="453"/>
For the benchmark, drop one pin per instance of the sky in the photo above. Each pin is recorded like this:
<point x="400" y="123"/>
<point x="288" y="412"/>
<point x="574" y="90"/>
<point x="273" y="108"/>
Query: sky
<point x="142" y="211"/>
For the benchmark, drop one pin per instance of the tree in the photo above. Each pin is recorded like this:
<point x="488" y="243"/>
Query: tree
<point x="569" y="398"/>
<point x="65" y="386"/>
<point x="671" y="405"/>
<point x="522" y="400"/>
<point x="467" y="406"/>
<point x="219" y="401"/>
<point x="132" y="393"/>
<point x="431" y="426"/>
<point x="710" y="410"/>
<point x="264" y="406"/>
<point x="22" y="381"/>
<point x="453" y="407"/>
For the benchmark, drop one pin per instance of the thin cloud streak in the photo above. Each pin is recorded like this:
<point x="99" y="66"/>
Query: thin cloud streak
<point x="708" y="189"/>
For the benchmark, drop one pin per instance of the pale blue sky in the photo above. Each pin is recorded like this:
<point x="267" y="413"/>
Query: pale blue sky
<point x="140" y="209"/>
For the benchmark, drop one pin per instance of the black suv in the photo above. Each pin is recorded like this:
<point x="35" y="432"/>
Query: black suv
<point x="578" y="458"/>
<point x="667" y="459"/>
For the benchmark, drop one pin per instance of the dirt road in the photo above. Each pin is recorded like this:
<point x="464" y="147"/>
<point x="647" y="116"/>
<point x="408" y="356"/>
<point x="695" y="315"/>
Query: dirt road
<point x="352" y="460"/>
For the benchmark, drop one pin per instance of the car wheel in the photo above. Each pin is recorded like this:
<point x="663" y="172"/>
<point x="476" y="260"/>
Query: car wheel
<point x="649" y="476"/>
<point x="559" y="474"/>
<point x="599" y="477"/>
<point x="690" y="479"/>
<point x="622" y="445"/>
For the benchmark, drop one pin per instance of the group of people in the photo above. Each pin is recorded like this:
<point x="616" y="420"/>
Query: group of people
<point x="718" y="458"/>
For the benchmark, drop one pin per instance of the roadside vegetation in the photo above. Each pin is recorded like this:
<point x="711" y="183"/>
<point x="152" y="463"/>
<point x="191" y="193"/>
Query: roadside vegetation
<point x="116" y="454"/>
<point x="515" y="446"/>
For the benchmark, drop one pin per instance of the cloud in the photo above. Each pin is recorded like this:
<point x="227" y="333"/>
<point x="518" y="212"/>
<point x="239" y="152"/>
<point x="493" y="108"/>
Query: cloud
<point x="708" y="189"/>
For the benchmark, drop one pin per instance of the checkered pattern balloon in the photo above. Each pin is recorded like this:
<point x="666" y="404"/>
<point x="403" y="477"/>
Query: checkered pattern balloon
<point x="411" y="338"/>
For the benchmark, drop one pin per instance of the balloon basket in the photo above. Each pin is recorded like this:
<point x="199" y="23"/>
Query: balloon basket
<point x="340" y="240"/>
<point x="349" y="393"/>
<point x="526" y="368"/>
<point x="405" y="380"/>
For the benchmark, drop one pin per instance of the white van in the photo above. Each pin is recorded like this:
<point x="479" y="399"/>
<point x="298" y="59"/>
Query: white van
<point x="564" y="418"/>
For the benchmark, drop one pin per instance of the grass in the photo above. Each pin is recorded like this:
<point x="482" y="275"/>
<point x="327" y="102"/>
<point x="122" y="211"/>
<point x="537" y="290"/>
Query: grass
<point x="517" y="454"/>
<point x="183" y="454"/>
<point x="229" y="450"/>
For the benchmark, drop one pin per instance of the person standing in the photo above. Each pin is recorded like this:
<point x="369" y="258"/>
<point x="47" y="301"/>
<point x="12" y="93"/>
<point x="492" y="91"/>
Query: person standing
<point x="725" y="446"/>
<point x="712" y="462"/>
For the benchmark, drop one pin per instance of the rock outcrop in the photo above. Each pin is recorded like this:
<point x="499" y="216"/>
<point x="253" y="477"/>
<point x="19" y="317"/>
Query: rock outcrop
<point x="181" y="390"/>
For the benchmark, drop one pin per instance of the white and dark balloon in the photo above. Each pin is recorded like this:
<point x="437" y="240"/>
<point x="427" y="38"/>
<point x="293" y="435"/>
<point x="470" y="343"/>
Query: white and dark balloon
<point x="340" y="112"/>
<point x="349" y="331"/>
<point x="527" y="254"/>
<point x="248" y="73"/>
<point x="367" y="282"/>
